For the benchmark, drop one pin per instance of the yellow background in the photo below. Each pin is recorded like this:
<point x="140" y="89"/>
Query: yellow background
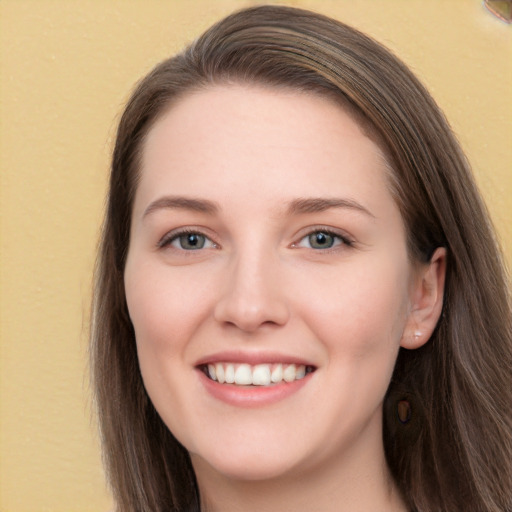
<point x="66" y="69"/>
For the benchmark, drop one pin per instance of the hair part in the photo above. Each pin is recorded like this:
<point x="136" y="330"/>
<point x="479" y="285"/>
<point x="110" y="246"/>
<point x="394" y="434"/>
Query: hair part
<point x="456" y="454"/>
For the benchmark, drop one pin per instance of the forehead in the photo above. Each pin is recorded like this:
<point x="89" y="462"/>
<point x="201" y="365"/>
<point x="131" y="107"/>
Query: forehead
<point x="268" y="141"/>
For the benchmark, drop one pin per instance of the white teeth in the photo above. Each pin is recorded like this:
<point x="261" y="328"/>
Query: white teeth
<point x="243" y="375"/>
<point x="219" y="371"/>
<point x="289" y="373"/>
<point x="229" y="374"/>
<point x="261" y="375"/>
<point x="277" y="373"/>
<point x="258" y="375"/>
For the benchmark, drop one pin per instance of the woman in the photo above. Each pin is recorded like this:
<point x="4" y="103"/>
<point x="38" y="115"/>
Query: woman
<point x="300" y="302"/>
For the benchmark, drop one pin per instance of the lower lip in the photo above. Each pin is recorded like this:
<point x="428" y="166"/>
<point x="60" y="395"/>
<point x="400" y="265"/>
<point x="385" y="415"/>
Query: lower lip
<point x="251" y="396"/>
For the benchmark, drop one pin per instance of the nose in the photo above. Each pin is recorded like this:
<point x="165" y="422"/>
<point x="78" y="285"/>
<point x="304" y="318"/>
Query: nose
<point x="253" y="295"/>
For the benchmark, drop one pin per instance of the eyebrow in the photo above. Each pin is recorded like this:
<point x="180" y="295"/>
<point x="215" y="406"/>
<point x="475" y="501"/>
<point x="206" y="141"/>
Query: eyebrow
<point x="295" y="207"/>
<point x="182" y="203"/>
<point x="320" y="204"/>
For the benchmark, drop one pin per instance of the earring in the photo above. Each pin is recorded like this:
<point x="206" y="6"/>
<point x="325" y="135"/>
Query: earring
<point x="404" y="411"/>
<point x="417" y="334"/>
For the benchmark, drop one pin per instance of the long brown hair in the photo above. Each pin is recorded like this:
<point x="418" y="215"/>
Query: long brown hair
<point x="456" y="452"/>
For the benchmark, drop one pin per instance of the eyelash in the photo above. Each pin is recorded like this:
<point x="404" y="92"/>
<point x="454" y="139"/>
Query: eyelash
<point x="169" y="238"/>
<point x="343" y="239"/>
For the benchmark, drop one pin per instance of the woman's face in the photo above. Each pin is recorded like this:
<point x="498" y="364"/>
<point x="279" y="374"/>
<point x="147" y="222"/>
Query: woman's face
<point x="266" y="248"/>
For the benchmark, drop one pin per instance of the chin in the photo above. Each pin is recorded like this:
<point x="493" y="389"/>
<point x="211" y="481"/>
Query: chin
<point x="248" y="467"/>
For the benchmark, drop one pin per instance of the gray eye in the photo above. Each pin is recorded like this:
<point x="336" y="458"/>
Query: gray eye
<point x="321" y="240"/>
<point x="190" y="241"/>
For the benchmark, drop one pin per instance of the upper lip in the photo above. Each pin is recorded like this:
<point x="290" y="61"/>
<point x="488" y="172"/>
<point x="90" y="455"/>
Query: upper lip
<point x="252" y="358"/>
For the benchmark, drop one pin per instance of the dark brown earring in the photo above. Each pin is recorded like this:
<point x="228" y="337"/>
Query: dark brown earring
<point x="404" y="411"/>
<point x="403" y="415"/>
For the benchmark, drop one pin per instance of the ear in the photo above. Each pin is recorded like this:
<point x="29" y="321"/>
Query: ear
<point x="427" y="301"/>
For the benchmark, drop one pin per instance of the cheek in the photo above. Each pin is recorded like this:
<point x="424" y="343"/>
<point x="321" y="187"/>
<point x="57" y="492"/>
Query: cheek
<point x="164" y="306"/>
<point x="165" y="311"/>
<point x="362" y="312"/>
<point x="155" y="339"/>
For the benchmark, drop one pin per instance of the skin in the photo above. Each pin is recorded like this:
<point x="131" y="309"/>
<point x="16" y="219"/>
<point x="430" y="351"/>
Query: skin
<point x="258" y="286"/>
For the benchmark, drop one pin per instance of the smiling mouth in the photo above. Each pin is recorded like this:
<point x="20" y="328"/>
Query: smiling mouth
<point x="255" y="375"/>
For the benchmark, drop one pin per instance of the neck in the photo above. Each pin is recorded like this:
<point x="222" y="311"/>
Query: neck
<point x="353" y="482"/>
